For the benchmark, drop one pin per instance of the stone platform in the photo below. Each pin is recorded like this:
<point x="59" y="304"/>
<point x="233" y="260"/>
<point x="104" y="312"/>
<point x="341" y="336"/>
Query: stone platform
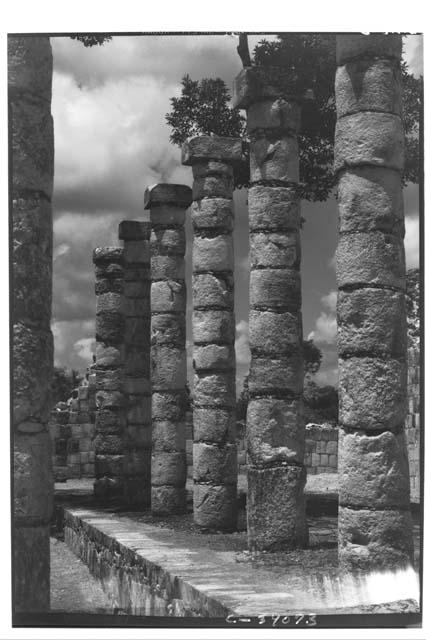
<point x="166" y="567"/>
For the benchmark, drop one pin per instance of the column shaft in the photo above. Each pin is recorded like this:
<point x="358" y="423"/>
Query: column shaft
<point x="374" y="507"/>
<point x="110" y="420"/>
<point x="31" y="147"/>
<point x="275" y="424"/>
<point x="168" y="204"/>
<point x="136" y="289"/>
<point x="214" y="449"/>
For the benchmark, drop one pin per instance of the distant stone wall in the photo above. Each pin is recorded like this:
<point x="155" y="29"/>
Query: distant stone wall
<point x="412" y="422"/>
<point x="321" y="448"/>
<point x="72" y="427"/>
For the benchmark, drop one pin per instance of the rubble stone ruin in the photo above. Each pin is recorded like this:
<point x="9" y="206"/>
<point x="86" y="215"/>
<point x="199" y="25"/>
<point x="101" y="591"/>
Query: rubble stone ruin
<point x="140" y="372"/>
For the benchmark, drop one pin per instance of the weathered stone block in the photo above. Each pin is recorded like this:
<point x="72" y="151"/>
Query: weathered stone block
<point x="108" y="285"/>
<point x="137" y="273"/>
<point x="107" y="488"/>
<point x="257" y="83"/>
<point x="30" y="67"/>
<point x="32" y="477"/>
<point x="274" y="114"/>
<point x="212" y="168"/>
<point x="137" y="385"/>
<point x="32" y="353"/>
<point x="168" y="368"/>
<point x="136" y="307"/>
<point x="110" y="399"/>
<point x="369" y="138"/>
<point x="138" y="462"/>
<point x="368" y="85"/>
<point x="136" y="362"/>
<point x="371" y="321"/>
<point x="108" y="258"/>
<point x="168" y="406"/>
<point x="373" y="471"/>
<point x="31" y="564"/>
<point x="110" y="422"/>
<point x="169" y="214"/>
<point x="31" y="127"/>
<point x="275" y="289"/>
<point x="169" y="436"/>
<point x="168" y="296"/>
<point x="167" y="268"/>
<point x="213" y="326"/>
<point x="214" y="357"/>
<point x="138" y="409"/>
<point x="137" y="289"/>
<point x="201" y="148"/>
<point x="275" y="250"/>
<point x="215" y="506"/>
<point x="110" y="327"/>
<point x="136" y="491"/>
<point x="275" y="431"/>
<point x="168" y="241"/>
<point x="273" y="208"/>
<point x="108" y="444"/>
<point x="109" y="356"/>
<point x="276" y="376"/>
<point x="276" y="159"/>
<point x="214" y="425"/>
<point x="136" y="252"/>
<point x="109" y="465"/>
<point x="133" y="230"/>
<point x="370" y="258"/>
<point x="275" y="333"/>
<point x="139" y="436"/>
<point x="213" y="187"/>
<point x="209" y="290"/>
<point x="137" y="332"/>
<point x="372" y="540"/>
<point x="372" y="393"/>
<point x="370" y="199"/>
<point x="109" y="303"/>
<point x="168" y="500"/>
<point x="215" y="390"/>
<point x="380" y="45"/>
<point x="211" y="213"/>
<point x="158" y="195"/>
<point x="167" y="328"/>
<point x="213" y="254"/>
<point x="31" y="253"/>
<point x="276" y="508"/>
<point x="215" y="465"/>
<point x="168" y="467"/>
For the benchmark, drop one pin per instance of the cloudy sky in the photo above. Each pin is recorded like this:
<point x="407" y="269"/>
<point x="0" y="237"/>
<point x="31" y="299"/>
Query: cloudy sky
<point x="111" y="141"/>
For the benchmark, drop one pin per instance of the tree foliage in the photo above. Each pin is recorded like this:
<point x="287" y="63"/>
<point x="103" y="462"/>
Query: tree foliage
<point x="308" y="64"/>
<point x="63" y="383"/>
<point x="91" y="39"/>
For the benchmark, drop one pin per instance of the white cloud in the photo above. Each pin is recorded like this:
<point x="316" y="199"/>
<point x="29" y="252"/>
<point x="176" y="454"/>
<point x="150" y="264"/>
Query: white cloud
<point x="85" y="348"/>
<point x="411" y="242"/>
<point x="72" y="340"/>
<point x="60" y="250"/>
<point x="413" y="54"/>
<point x="326" y="325"/>
<point x="242" y="349"/>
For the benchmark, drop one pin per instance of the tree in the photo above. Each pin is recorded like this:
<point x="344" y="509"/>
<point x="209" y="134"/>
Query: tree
<point x="312" y="357"/>
<point x="307" y="62"/>
<point x="63" y="383"/>
<point x="413" y="307"/>
<point x="91" y="39"/>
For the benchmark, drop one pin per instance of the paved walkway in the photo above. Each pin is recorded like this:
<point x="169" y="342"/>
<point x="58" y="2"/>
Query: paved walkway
<point x="73" y="589"/>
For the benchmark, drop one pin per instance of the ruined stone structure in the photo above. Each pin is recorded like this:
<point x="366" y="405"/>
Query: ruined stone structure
<point x="110" y="423"/>
<point x="168" y="204"/>
<point x="374" y="516"/>
<point x="72" y="429"/>
<point x="137" y="390"/>
<point x="275" y="426"/>
<point x="214" y="453"/>
<point x="31" y="145"/>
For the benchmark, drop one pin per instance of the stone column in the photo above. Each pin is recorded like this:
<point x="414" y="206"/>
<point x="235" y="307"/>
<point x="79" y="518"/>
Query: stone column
<point x="137" y="283"/>
<point x="168" y="204"/>
<point x="31" y="166"/>
<point x="110" y="420"/>
<point x="214" y="451"/>
<point x="374" y="508"/>
<point x="275" y="425"/>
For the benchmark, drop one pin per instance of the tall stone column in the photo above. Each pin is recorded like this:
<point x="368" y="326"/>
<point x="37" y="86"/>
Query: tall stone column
<point x="110" y="419"/>
<point x="374" y="508"/>
<point x="168" y="204"/>
<point x="214" y="449"/>
<point x="137" y="388"/>
<point x="31" y="149"/>
<point x="275" y="425"/>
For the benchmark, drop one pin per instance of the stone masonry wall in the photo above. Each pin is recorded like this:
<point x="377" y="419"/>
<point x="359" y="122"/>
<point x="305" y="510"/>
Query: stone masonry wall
<point x="412" y="422"/>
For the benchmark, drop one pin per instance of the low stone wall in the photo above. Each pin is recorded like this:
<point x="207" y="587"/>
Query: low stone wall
<point x="72" y="427"/>
<point x="321" y="448"/>
<point x="412" y="422"/>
